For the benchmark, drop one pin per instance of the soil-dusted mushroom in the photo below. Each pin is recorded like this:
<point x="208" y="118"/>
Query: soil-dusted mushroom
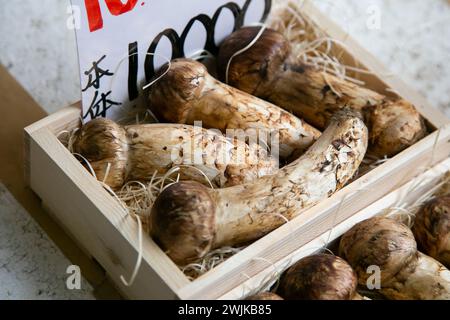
<point x="432" y="229"/>
<point x="188" y="93"/>
<point x="406" y="274"/>
<point x="189" y="219"/>
<point x="319" y="277"/>
<point x="268" y="70"/>
<point x="264" y="296"/>
<point x="135" y="152"/>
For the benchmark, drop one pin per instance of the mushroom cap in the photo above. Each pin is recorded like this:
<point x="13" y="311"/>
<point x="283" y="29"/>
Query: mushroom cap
<point x="104" y="143"/>
<point x="183" y="221"/>
<point x="432" y="229"/>
<point x="319" y="277"/>
<point x="256" y="67"/>
<point x="169" y="96"/>
<point x="264" y="296"/>
<point x="394" y="126"/>
<point x="381" y="242"/>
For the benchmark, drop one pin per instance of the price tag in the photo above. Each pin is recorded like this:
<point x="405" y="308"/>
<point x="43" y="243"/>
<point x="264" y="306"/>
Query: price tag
<point x="122" y="43"/>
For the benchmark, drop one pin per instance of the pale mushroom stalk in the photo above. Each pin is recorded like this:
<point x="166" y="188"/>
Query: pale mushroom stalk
<point x="188" y="93"/>
<point x="119" y="154"/>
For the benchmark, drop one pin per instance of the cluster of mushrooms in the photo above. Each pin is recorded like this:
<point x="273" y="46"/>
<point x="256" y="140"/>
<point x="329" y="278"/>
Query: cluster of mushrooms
<point x="413" y="263"/>
<point x="405" y="273"/>
<point x="325" y="126"/>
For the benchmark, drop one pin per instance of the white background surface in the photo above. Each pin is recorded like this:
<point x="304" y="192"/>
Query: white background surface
<point x="39" y="50"/>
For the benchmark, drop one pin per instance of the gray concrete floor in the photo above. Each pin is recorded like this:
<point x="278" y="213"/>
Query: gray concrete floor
<point x="39" y="50"/>
<point x="31" y="266"/>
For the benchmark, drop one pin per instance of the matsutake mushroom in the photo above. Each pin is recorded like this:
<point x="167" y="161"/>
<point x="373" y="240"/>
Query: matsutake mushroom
<point x="269" y="71"/>
<point x="188" y="93"/>
<point x="319" y="277"/>
<point x="118" y="154"/>
<point x="188" y="219"/>
<point x="406" y="274"/>
<point x="263" y="296"/>
<point x="432" y="229"/>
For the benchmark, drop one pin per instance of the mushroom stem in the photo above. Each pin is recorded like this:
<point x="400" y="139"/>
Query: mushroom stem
<point x="188" y="93"/>
<point x="244" y="213"/>
<point x="135" y="152"/>
<point x="269" y="71"/>
<point x="406" y="274"/>
<point x="423" y="279"/>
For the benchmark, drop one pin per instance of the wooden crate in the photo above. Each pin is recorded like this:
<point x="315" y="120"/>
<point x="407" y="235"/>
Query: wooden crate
<point x="405" y="196"/>
<point x="101" y="227"/>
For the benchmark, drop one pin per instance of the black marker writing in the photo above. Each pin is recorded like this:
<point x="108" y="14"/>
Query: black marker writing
<point x="99" y="106"/>
<point x="133" y="61"/>
<point x="100" y="103"/>
<point x="178" y="41"/>
<point x="95" y="74"/>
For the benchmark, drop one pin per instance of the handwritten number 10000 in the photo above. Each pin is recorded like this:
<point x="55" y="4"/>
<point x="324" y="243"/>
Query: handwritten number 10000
<point x="177" y="41"/>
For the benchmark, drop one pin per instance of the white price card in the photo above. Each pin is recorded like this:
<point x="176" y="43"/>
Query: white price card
<point x="122" y="43"/>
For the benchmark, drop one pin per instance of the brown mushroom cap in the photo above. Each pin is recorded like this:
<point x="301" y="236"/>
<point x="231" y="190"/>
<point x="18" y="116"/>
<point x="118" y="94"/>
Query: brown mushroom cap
<point x="432" y="229"/>
<point x="183" y="82"/>
<point x="381" y="242"/>
<point x="319" y="277"/>
<point x="183" y="221"/>
<point x="256" y="65"/>
<point x="264" y="296"/>
<point x="394" y="119"/>
<point x="103" y="142"/>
